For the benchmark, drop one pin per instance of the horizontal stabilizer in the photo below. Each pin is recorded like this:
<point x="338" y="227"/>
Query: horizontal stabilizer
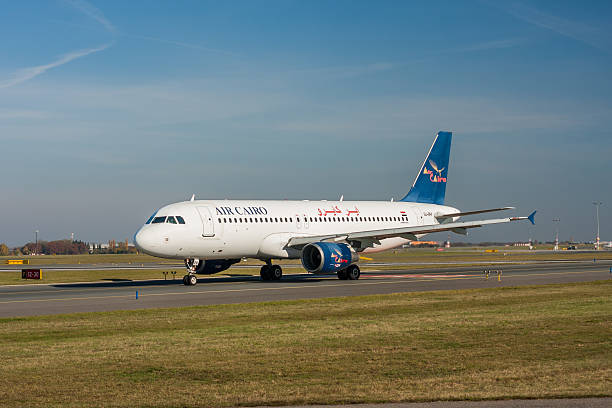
<point x="530" y="217"/>
<point x="461" y="214"/>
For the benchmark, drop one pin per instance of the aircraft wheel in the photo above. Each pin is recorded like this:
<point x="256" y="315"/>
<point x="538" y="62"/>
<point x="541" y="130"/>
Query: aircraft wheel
<point x="275" y="272"/>
<point x="185" y="281"/>
<point x="353" y="272"/>
<point x="192" y="280"/>
<point x="342" y="274"/>
<point x="264" y="272"/>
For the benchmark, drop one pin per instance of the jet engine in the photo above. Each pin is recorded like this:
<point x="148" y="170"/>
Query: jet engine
<point x="328" y="257"/>
<point x="208" y="267"/>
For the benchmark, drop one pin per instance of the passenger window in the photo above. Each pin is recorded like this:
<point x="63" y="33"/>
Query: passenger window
<point x="170" y="220"/>
<point x="159" y="220"/>
<point x="250" y="220"/>
<point x="180" y="219"/>
<point x="219" y="220"/>
<point x="229" y="220"/>
<point x="225" y="220"/>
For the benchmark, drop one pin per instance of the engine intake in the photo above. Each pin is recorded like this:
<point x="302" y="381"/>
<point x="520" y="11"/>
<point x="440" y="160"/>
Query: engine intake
<point x="328" y="257"/>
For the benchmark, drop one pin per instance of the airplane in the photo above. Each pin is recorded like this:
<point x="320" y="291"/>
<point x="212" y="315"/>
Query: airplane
<point x="328" y="236"/>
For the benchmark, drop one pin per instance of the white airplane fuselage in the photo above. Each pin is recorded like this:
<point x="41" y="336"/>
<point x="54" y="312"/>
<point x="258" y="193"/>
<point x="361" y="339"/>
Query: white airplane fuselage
<point x="232" y="229"/>
<point x="326" y="235"/>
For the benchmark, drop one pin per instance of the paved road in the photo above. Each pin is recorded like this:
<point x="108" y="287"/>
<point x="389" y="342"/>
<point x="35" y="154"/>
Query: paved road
<point x="29" y="300"/>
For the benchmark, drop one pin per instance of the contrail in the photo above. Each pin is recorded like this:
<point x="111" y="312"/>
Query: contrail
<point x="25" y="74"/>
<point x="93" y="12"/>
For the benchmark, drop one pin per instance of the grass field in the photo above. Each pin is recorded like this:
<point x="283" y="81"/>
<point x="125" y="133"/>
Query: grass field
<point x="528" y="342"/>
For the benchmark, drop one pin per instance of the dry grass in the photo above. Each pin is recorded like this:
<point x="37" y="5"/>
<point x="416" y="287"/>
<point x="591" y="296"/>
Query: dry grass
<point x="546" y="341"/>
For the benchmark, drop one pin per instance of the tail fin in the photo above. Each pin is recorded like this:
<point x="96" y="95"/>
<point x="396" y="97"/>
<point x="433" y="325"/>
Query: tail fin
<point x="430" y="184"/>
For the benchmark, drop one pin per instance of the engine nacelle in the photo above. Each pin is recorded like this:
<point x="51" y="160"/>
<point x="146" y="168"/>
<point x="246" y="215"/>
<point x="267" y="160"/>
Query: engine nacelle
<point x="211" y="266"/>
<point x="328" y="257"/>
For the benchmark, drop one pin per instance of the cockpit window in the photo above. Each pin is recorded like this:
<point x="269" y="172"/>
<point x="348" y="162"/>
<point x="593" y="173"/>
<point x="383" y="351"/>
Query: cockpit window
<point x="158" y="220"/>
<point x="151" y="218"/>
<point x="171" y="220"/>
<point x="180" y="219"/>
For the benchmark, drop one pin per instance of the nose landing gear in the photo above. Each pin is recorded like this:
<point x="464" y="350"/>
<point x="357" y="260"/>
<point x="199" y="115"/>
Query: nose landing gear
<point x="192" y="265"/>
<point x="190" y="279"/>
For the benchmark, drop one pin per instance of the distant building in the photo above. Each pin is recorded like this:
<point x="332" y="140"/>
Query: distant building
<point x="424" y="243"/>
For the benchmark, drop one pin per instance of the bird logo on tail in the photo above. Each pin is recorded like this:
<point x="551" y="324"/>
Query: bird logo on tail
<point x="435" y="175"/>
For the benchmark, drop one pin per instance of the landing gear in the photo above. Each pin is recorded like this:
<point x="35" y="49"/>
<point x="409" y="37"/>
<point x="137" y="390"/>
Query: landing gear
<point x="190" y="279"/>
<point x="192" y="264"/>
<point x="350" y="273"/>
<point x="271" y="272"/>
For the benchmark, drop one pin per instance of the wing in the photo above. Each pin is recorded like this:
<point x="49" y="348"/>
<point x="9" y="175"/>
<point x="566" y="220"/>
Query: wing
<point x="404" y="232"/>
<point x="461" y="214"/>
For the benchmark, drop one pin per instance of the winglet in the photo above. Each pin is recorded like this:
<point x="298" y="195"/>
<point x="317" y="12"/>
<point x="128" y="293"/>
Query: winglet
<point x="192" y="197"/>
<point x="531" y="217"/>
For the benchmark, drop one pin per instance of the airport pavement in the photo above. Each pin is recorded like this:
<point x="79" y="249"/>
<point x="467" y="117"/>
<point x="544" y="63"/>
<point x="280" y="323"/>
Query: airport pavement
<point x="43" y="299"/>
<point x="180" y="265"/>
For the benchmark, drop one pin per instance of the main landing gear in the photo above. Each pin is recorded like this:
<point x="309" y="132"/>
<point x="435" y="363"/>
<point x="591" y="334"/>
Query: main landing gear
<point x="350" y="273"/>
<point x="271" y="272"/>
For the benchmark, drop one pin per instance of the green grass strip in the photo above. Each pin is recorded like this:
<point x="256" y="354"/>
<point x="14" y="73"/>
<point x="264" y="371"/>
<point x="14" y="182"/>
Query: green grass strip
<point x="525" y="342"/>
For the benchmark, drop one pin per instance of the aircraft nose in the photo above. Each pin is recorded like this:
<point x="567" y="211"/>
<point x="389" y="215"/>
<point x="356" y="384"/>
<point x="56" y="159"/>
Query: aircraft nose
<point x="145" y="240"/>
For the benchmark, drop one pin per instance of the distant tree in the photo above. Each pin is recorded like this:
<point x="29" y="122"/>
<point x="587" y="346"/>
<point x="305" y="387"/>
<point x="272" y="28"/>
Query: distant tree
<point x="4" y="251"/>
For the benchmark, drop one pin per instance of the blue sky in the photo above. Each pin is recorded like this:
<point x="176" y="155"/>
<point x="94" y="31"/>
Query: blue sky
<point x="109" y="110"/>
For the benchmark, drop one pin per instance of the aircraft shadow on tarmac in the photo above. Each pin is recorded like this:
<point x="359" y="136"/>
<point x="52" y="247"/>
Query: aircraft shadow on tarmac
<point x="109" y="283"/>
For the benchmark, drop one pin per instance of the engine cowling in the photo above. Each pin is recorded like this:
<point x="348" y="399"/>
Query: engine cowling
<point x="208" y="267"/>
<point x="328" y="257"/>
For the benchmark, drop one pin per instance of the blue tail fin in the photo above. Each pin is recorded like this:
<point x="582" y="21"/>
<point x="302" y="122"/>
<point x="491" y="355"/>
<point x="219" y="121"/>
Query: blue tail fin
<point x="430" y="184"/>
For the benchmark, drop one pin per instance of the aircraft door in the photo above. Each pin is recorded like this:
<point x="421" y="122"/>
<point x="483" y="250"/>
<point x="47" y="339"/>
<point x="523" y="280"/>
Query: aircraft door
<point x="298" y="222"/>
<point x="208" y="226"/>
<point x="306" y="224"/>
<point x="420" y="219"/>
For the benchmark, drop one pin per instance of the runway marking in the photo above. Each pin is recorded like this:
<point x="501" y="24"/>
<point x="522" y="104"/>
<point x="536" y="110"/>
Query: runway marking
<point x="89" y="283"/>
<point x="143" y="295"/>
